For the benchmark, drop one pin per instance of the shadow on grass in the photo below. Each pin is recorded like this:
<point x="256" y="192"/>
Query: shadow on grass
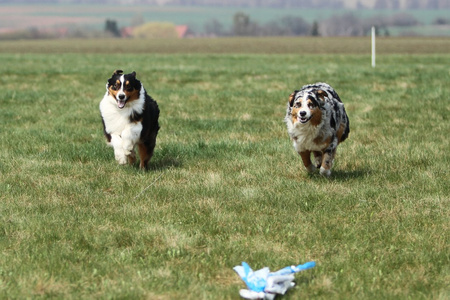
<point x="163" y="163"/>
<point x="168" y="156"/>
<point x="173" y="155"/>
<point x="343" y="175"/>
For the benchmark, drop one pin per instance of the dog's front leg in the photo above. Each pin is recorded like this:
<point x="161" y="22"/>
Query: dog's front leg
<point x="306" y="158"/>
<point x="130" y="137"/>
<point x="327" y="162"/>
<point x="119" y="154"/>
<point x="317" y="158"/>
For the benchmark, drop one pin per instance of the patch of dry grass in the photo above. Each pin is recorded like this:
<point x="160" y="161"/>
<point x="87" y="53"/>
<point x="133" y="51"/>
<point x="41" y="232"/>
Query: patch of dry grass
<point x="230" y="45"/>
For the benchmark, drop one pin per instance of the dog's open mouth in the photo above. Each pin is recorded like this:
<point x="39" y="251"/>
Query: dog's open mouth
<point x="303" y="120"/>
<point x="121" y="103"/>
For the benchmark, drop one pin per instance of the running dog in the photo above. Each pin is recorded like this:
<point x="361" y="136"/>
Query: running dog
<point x="316" y="122"/>
<point x="130" y="118"/>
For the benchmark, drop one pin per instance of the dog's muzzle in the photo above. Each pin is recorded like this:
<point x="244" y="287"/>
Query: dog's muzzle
<point x="121" y="100"/>
<point x="303" y="117"/>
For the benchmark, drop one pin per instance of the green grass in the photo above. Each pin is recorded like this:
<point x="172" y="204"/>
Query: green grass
<point x="225" y="185"/>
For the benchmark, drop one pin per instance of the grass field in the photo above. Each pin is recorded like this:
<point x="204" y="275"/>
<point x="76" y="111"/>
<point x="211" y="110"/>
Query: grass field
<point x="254" y="45"/>
<point x="225" y="185"/>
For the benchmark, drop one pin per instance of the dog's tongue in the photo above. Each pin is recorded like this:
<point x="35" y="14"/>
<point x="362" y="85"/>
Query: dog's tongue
<point x="120" y="103"/>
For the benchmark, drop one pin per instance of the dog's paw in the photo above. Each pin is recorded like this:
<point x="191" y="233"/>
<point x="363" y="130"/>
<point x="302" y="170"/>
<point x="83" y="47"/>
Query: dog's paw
<point x="311" y="168"/>
<point x="120" y="157"/>
<point x="122" y="160"/>
<point x="325" y="172"/>
<point x="131" y="157"/>
<point x="318" y="163"/>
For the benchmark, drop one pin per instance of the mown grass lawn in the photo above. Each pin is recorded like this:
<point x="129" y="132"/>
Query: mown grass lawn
<point x="225" y="185"/>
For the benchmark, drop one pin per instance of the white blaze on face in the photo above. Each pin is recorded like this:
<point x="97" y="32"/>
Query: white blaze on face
<point x="121" y="94"/>
<point x="121" y="97"/>
<point x="304" y="109"/>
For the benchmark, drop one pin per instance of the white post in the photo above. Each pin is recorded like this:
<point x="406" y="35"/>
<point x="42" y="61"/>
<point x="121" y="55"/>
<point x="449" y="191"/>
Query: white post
<point x="373" y="46"/>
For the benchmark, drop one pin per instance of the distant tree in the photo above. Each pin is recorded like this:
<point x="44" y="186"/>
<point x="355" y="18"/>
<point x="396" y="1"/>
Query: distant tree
<point x="342" y="25"/>
<point x="241" y="23"/>
<point x="315" y="29"/>
<point x="111" y="27"/>
<point x="441" y="21"/>
<point x="273" y="28"/>
<point x="379" y="21"/>
<point x="213" y="26"/>
<point x="295" y="25"/>
<point x="243" y="26"/>
<point x="403" y="19"/>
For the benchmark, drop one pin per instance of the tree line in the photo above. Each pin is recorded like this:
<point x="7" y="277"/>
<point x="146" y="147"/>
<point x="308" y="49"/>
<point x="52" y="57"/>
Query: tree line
<point x="347" y="24"/>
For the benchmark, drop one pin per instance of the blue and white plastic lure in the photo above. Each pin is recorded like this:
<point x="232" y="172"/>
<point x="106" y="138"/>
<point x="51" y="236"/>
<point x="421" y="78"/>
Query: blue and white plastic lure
<point x="263" y="284"/>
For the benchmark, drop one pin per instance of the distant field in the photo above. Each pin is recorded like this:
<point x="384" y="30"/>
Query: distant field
<point x="225" y="185"/>
<point x="276" y="45"/>
<point x="94" y="16"/>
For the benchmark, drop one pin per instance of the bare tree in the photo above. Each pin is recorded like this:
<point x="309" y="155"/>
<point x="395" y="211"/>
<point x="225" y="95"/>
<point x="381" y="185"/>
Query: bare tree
<point x="342" y="25"/>
<point x="213" y="26"/>
<point x="403" y="19"/>
<point x="243" y="26"/>
<point x="111" y="27"/>
<point x="295" y="25"/>
<point x="315" y="29"/>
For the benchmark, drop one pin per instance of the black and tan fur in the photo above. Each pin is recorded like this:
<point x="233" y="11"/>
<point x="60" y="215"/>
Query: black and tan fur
<point x="130" y="118"/>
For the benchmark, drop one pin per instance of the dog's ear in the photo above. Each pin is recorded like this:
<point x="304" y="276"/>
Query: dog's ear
<point x="133" y="74"/>
<point x="321" y="94"/>
<point x="117" y="72"/>
<point x="291" y="98"/>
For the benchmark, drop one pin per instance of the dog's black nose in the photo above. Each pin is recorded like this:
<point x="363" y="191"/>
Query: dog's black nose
<point x="303" y="113"/>
<point x="121" y="96"/>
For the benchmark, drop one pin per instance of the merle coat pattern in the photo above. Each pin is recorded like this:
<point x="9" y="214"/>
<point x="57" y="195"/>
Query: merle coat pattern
<point x="316" y="122"/>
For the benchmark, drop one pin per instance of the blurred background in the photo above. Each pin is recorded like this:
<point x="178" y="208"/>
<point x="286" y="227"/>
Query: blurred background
<point x="56" y="19"/>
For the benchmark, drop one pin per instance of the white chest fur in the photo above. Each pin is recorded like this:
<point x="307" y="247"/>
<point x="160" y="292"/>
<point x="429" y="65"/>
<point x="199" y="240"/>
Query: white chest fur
<point x="303" y="136"/>
<point x="124" y="133"/>
<point x="116" y="119"/>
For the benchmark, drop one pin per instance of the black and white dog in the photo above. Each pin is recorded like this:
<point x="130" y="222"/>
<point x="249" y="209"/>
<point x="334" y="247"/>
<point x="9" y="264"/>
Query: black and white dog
<point x="130" y="118"/>
<point x="316" y="122"/>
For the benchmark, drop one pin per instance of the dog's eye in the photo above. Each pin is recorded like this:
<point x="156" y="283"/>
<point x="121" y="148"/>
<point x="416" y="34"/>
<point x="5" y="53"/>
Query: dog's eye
<point x="129" y="88"/>
<point x="311" y="105"/>
<point x="298" y="105"/>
